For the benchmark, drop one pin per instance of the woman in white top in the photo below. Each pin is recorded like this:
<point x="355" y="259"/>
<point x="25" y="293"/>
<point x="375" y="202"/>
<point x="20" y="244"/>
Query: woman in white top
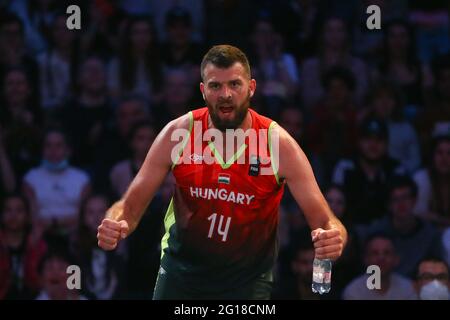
<point x="55" y="189"/>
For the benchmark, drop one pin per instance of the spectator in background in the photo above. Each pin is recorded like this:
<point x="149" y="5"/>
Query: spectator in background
<point x="38" y="17"/>
<point x="179" y="49"/>
<point x="20" y="250"/>
<point x="195" y="8"/>
<point x="102" y="272"/>
<point x="298" y="22"/>
<point x="178" y="95"/>
<point x="221" y="20"/>
<point x="13" y="51"/>
<point x="335" y="112"/>
<point x="20" y="121"/>
<point x="143" y="246"/>
<point x="432" y="279"/>
<point x="8" y="180"/>
<point x="399" y="64"/>
<point x="84" y="117"/>
<point x="275" y="70"/>
<point x="55" y="189"/>
<point x="101" y="35"/>
<point x="385" y="103"/>
<point x="369" y="42"/>
<point x="446" y="245"/>
<point x="413" y="237"/>
<point x="113" y="145"/>
<point x="141" y="138"/>
<point x="364" y="178"/>
<point x="433" y="183"/>
<point x="349" y="264"/>
<point x="380" y="251"/>
<point x="297" y="254"/>
<point x="294" y="282"/>
<point x="334" y="49"/>
<point x="53" y="274"/>
<point x="291" y="217"/>
<point x="302" y="268"/>
<point x="437" y="112"/>
<point x="137" y="68"/>
<point x="432" y="22"/>
<point x="58" y="65"/>
<point x="292" y="120"/>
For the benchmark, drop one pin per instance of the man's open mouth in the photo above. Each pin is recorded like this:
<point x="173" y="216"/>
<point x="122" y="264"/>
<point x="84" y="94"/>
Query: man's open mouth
<point x="226" y="109"/>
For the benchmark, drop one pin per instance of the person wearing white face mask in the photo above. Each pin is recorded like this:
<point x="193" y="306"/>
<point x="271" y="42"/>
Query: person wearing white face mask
<point x="55" y="188"/>
<point x="432" y="281"/>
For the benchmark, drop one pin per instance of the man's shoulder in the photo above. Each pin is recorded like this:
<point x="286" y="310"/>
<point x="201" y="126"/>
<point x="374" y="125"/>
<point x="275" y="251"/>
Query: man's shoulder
<point x="185" y="121"/>
<point x="341" y="168"/>
<point x="421" y="175"/>
<point x="401" y="279"/>
<point x="358" y="282"/>
<point x="401" y="282"/>
<point x="35" y="173"/>
<point x="356" y="289"/>
<point x="77" y="173"/>
<point x="261" y="120"/>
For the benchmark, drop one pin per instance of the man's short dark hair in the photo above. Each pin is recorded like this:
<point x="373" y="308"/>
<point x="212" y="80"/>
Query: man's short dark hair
<point x="11" y="18"/>
<point x="430" y="258"/>
<point x="402" y="181"/>
<point x="178" y="15"/>
<point x="58" y="128"/>
<point x="224" y="56"/>
<point x="376" y="235"/>
<point x="139" y="125"/>
<point x="373" y="127"/>
<point x="339" y="73"/>
<point x="59" y="253"/>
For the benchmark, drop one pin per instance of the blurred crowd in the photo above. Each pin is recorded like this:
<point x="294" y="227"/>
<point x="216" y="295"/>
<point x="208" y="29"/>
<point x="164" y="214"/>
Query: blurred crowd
<point x="79" y="110"/>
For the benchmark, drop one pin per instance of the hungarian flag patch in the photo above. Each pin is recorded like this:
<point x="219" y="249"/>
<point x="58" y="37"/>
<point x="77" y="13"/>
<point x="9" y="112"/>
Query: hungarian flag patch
<point x="224" y="178"/>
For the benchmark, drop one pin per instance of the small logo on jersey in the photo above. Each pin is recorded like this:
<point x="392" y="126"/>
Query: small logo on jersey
<point x="253" y="170"/>
<point x="224" y="178"/>
<point x="195" y="157"/>
<point x="162" y="271"/>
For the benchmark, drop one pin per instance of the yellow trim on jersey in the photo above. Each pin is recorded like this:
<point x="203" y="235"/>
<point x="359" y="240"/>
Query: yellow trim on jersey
<point x="223" y="164"/>
<point x="274" y="169"/>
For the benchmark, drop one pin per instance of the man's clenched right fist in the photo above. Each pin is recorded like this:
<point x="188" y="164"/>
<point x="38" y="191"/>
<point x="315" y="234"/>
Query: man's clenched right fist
<point x="110" y="232"/>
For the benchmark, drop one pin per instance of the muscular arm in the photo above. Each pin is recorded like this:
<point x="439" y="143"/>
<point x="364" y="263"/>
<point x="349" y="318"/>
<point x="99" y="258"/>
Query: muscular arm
<point x="296" y="170"/>
<point x="149" y="178"/>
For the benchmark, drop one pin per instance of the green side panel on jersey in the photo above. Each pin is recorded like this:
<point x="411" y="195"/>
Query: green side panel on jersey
<point x="169" y="221"/>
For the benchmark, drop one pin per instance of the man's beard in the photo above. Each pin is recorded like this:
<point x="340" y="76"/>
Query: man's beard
<point x="223" y="124"/>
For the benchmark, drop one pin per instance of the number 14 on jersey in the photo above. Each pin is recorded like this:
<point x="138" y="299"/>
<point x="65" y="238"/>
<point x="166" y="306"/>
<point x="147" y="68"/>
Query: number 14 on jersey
<point x="222" y="229"/>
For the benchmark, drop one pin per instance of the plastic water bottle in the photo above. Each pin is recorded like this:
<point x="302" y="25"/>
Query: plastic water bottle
<point x="321" y="281"/>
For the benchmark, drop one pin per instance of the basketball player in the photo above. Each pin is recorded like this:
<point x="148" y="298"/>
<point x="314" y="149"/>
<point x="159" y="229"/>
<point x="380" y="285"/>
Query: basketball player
<point x="221" y="224"/>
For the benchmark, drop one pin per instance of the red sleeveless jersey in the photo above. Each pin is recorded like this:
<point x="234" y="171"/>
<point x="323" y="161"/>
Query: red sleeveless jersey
<point x="222" y="221"/>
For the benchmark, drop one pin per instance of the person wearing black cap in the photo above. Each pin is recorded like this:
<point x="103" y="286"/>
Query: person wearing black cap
<point x="364" y="178"/>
